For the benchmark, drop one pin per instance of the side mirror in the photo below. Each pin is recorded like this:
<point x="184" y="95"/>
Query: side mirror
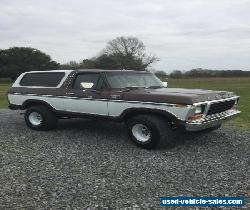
<point x="165" y="84"/>
<point x="87" y="85"/>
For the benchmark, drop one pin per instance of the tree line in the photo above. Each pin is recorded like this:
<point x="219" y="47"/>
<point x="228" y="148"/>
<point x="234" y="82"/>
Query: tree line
<point x="119" y="53"/>
<point x="205" y="73"/>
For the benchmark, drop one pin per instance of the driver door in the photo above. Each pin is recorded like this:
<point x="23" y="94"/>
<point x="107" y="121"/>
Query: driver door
<point x="90" y="100"/>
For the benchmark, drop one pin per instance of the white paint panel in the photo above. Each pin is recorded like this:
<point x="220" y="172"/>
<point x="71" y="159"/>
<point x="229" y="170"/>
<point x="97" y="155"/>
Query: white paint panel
<point x="116" y="108"/>
<point x="99" y="107"/>
<point x="57" y="103"/>
<point x="87" y="106"/>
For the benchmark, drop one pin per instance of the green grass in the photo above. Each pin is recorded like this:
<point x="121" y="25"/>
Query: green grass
<point x="240" y="86"/>
<point x="3" y="88"/>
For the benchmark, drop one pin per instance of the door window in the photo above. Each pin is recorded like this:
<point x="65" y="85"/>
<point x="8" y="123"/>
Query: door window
<point x="90" y="78"/>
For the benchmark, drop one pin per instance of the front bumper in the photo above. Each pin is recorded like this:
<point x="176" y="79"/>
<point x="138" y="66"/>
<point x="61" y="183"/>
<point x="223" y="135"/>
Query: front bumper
<point x="211" y="121"/>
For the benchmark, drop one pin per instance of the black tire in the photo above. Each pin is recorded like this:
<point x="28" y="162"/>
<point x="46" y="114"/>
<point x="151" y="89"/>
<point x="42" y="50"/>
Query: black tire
<point x="160" y="131"/>
<point x="47" y="117"/>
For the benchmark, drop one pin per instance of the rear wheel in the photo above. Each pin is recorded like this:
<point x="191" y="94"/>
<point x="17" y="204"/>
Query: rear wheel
<point x="40" y="118"/>
<point x="149" y="131"/>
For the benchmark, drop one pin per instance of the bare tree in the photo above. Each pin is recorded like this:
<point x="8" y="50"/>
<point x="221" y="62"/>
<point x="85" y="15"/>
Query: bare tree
<point x="129" y="53"/>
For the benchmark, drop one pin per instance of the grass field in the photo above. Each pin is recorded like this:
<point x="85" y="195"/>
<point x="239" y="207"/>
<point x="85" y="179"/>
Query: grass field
<point x="241" y="86"/>
<point x="3" y="88"/>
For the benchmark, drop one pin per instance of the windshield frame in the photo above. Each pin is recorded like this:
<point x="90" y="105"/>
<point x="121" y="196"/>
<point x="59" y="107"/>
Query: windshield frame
<point x="131" y="73"/>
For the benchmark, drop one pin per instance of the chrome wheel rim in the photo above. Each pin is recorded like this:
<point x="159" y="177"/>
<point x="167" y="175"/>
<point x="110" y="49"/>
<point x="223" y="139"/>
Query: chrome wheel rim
<point x="141" y="132"/>
<point x="35" y="118"/>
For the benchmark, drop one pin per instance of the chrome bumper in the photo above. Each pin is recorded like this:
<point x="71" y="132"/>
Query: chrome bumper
<point x="211" y="121"/>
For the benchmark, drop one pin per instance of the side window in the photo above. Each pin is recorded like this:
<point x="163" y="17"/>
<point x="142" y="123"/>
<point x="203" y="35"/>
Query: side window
<point x="88" y="77"/>
<point x="48" y="79"/>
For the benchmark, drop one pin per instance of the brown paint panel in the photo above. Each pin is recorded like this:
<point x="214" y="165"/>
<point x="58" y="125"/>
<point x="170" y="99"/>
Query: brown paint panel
<point x="160" y="95"/>
<point x="38" y="91"/>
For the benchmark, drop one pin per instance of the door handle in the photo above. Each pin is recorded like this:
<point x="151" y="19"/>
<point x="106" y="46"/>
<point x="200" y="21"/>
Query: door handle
<point x="71" y="94"/>
<point x="95" y="91"/>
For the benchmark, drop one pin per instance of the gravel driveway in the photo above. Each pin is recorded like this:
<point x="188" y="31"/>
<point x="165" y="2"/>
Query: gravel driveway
<point x="92" y="164"/>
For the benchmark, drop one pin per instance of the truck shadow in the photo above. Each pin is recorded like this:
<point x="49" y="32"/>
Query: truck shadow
<point x="90" y="125"/>
<point x="95" y="129"/>
<point x="113" y="130"/>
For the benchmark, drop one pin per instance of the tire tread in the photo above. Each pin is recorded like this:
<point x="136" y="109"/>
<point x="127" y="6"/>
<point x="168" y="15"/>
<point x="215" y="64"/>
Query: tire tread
<point x="165" y="133"/>
<point x="50" y="119"/>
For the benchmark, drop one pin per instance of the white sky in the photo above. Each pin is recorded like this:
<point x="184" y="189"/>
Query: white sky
<point x="184" y="34"/>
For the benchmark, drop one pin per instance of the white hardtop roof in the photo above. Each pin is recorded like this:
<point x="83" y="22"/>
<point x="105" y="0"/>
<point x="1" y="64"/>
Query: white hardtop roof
<point x="85" y="70"/>
<point x="50" y="71"/>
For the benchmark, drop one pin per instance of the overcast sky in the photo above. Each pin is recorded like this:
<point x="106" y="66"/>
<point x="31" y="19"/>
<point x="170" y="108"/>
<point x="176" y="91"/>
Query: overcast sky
<point x="184" y="34"/>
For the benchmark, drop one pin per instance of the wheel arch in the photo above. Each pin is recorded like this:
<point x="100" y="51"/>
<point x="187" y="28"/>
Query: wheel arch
<point x="34" y="102"/>
<point x="138" y="111"/>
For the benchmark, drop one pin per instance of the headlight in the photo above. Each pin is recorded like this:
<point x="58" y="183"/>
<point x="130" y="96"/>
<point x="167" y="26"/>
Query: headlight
<point x="199" y="109"/>
<point x="236" y="103"/>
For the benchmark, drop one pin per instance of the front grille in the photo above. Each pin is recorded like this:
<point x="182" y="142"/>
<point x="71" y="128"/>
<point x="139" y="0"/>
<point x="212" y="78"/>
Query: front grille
<point x="220" y="107"/>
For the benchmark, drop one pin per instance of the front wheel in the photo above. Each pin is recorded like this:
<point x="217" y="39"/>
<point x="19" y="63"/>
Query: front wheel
<point x="40" y="118"/>
<point x="149" y="131"/>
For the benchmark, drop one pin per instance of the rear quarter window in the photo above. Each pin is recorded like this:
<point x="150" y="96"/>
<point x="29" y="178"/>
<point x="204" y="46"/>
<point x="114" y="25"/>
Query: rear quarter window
<point x="42" y="79"/>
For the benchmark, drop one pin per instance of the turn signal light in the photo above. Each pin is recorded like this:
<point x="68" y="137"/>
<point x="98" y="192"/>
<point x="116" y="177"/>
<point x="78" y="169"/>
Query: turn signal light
<point x="195" y="117"/>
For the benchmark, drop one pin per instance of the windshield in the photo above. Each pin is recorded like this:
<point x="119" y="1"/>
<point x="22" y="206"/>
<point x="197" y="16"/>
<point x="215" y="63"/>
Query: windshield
<point x="126" y="80"/>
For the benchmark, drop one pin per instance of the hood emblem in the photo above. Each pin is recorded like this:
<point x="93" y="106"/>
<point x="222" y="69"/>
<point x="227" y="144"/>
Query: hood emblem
<point x="208" y="97"/>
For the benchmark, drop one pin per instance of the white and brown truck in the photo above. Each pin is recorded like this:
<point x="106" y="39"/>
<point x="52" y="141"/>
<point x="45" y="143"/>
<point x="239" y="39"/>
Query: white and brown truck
<point x="150" y="110"/>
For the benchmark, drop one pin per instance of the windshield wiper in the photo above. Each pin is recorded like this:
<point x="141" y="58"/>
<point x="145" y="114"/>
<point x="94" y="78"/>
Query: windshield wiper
<point x="154" y="87"/>
<point x="128" y="88"/>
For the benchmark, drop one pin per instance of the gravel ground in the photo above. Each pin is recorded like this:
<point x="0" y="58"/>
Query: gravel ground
<point x="92" y="164"/>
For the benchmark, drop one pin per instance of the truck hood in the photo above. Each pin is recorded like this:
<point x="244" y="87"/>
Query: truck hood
<point x="175" y="95"/>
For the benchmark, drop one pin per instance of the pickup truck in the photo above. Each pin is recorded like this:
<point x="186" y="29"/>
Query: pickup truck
<point x="151" y="111"/>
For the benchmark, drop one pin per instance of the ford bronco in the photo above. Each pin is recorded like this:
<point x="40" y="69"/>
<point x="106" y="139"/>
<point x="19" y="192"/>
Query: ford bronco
<point x="150" y="110"/>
